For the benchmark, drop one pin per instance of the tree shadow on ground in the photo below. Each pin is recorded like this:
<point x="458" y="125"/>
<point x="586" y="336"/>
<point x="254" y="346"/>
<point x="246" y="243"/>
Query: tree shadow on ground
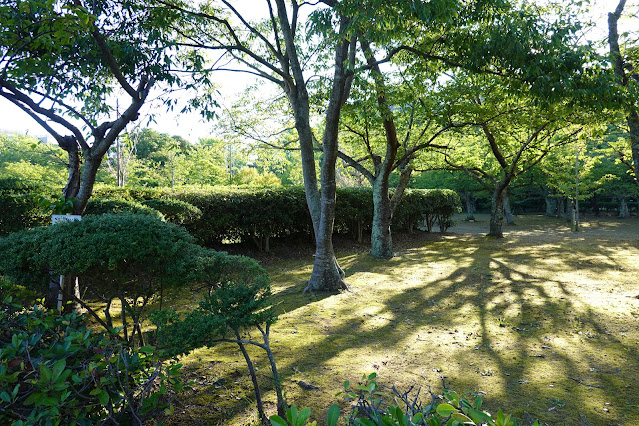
<point x="488" y="322"/>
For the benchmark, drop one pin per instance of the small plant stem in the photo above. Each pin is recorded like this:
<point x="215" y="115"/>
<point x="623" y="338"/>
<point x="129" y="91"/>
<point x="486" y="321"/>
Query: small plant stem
<point x="281" y="402"/>
<point x="256" y="387"/>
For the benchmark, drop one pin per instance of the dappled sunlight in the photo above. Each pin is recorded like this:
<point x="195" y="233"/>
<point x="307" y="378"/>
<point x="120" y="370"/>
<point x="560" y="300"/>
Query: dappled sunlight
<point x="547" y="325"/>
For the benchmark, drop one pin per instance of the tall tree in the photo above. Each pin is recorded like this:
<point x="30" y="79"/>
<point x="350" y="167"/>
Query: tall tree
<point x="60" y="61"/>
<point x="625" y="68"/>
<point x="272" y="50"/>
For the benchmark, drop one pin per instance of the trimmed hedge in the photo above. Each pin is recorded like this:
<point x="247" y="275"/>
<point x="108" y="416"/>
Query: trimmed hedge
<point x="99" y="206"/>
<point x="19" y="207"/>
<point x="216" y="215"/>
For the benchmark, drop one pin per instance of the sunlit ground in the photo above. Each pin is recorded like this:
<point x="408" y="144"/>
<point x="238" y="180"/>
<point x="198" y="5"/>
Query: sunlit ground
<point x="545" y="322"/>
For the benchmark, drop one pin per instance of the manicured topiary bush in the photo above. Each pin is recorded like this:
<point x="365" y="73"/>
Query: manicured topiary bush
<point x="126" y="257"/>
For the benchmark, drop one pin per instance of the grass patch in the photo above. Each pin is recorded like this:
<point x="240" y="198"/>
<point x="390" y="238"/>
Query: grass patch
<point x="544" y="322"/>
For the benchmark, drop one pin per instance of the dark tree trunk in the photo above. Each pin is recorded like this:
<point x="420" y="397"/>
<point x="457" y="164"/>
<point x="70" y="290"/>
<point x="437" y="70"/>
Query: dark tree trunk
<point x="497" y="212"/>
<point x="383" y="206"/>
<point x="508" y="214"/>
<point x="551" y="206"/>
<point x="594" y="204"/>
<point x="87" y="181"/>
<point x="633" y="125"/>
<point x="469" y="203"/>
<point x="563" y="209"/>
<point x="620" y="67"/>
<point x="381" y="240"/>
<point x="327" y="275"/>
<point x="73" y="180"/>
<point x="624" y="212"/>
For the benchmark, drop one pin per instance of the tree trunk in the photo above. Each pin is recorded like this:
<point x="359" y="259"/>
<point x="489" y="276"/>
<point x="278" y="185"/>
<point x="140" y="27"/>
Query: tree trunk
<point x="562" y="208"/>
<point x="327" y="275"/>
<point x="469" y="202"/>
<point x="508" y="214"/>
<point x="551" y="206"/>
<point x="497" y="212"/>
<point x="623" y="78"/>
<point x="633" y="124"/>
<point x="594" y="203"/>
<point x="73" y="181"/>
<point x="624" y="212"/>
<point x="381" y="240"/>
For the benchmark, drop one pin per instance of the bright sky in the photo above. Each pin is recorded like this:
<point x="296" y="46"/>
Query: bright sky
<point x="192" y="127"/>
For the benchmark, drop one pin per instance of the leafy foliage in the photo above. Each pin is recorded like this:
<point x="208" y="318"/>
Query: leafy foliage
<point x="370" y="409"/>
<point x="227" y="314"/>
<point x="99" y="206"/>
<point x="19" y="206"/>
<point x="175" y="211"/>
<point x="54" y="370"/>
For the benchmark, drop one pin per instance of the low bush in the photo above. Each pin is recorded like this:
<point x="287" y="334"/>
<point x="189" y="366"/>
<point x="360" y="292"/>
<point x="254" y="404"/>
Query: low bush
<point x="56" y="371"/>
<point x="126" y="257"/>
<point x="371" y="408"/>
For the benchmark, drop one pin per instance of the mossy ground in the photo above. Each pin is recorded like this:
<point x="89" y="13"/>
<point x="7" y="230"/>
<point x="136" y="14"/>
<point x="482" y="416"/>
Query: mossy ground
<point x="545" y="322"/>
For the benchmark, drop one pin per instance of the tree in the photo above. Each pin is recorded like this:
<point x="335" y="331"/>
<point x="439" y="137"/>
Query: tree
<point x="61" y="63"/>
<point x="511" y="134"/>
<point x="625" y="69"/>
<point x="271" y="49"/>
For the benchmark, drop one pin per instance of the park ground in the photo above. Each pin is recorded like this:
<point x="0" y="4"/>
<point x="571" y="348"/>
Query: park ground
<point x="543" y="323"/>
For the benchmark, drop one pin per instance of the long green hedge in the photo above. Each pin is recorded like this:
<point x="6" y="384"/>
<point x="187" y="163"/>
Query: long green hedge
<point x="19" y="205"/>
<point x="216" y="215"/>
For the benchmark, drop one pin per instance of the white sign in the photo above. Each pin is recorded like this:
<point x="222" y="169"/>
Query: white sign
<point x="57" y="218"/>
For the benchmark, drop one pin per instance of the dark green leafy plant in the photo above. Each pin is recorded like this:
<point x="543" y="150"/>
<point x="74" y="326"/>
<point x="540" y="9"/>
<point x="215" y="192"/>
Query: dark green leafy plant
<point x="56" y="371"/>
<point x="123" y="256"/>
<point x="58" y="206"/>
<point x="175" y="211"/>
<point x="19" y="207"/>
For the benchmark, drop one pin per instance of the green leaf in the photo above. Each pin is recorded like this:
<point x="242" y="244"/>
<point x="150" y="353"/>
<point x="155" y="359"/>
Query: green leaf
<point x="453" y="397"/>
<point x="291" y="414"/>
<point x="278" y="421"/>
<point x="478" y="416"/>
<point x="417" y="418"/>
<point x="5" y="397"/>
<point x="303" y="416"/>
<point x="333" y="415"/>
<point x="462" y="418"/>
<point x="103" y="397"/>
<point x="347" y="384"/>
<point x="445" y="410"/>
<point x="146" y="349"/>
